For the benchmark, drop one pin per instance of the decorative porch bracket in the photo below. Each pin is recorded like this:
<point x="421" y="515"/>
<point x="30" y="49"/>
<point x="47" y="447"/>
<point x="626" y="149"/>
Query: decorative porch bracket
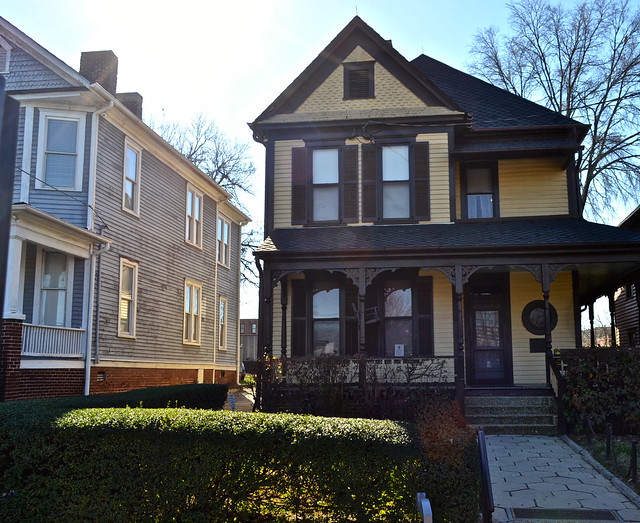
<point x="458" y="276"/>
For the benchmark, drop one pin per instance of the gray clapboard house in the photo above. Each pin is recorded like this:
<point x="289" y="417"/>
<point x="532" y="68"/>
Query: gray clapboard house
<point x="124" y="259"/>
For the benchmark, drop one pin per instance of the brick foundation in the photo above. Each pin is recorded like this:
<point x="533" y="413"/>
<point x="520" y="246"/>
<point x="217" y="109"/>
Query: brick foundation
<point x="23" y="384"/>
<point x="107" y="380"/>
<point x="229" y="377"/>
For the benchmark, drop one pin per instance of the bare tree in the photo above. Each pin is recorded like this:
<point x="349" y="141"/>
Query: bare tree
<point x="225" y="161"/>
<point x="583" y="62"/>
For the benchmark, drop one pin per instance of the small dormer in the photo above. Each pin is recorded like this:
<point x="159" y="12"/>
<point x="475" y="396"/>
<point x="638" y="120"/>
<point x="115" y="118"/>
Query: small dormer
<point x="5" y="56"/>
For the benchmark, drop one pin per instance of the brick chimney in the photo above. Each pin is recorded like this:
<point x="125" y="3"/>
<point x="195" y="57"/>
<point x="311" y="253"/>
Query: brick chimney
<point x="132" y="101"/>
<point x="100" y="67"/>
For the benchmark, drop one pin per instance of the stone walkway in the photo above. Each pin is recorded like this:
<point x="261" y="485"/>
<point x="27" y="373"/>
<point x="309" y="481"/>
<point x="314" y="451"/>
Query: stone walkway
<point x="239" y="399"/>
<point x="544" y="472"/>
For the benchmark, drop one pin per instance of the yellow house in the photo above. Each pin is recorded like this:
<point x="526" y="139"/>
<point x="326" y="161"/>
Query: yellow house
<point x="414" y="212"/>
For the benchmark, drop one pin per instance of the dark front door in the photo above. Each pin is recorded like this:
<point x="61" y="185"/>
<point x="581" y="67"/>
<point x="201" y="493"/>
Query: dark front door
<point x="488" y="331"/>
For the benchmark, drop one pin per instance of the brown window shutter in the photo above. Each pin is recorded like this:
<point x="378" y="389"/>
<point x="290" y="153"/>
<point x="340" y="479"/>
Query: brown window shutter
<point x="350" y="184"/>
<point x="421" y="181"/>
<point x="424" y="308"/>
<point x="299" y="186"/>
<point x="369" y="183"/>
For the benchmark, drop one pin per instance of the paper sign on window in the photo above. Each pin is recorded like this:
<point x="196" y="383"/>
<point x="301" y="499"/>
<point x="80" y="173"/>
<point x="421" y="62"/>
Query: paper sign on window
<point x="399" y="350"/>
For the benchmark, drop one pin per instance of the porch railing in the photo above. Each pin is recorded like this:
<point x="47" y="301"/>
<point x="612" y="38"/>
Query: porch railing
<point x="559" y="385"/>
<point x="44" y="341"/>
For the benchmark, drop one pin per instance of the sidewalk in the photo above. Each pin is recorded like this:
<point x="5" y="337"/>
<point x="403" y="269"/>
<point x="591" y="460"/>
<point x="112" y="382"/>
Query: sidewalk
<point x="553" y="476"/>
<point x="239" y="399"/>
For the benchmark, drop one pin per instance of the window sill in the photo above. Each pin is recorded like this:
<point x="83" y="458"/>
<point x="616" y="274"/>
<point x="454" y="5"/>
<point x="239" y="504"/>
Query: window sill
<point x="225" y="265"/>
<point x="131" y="213"/>
<point x="192" y="343"/>
<point x="126" y="336"/>
<point x="194" y="245"/>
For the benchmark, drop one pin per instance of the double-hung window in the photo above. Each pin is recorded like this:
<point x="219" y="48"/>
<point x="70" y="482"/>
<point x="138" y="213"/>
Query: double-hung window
<point x="480" y="191"/>
<point x="395" y="182"/>
<point x="192" y="312"/>
<point x="222" y="323"/>
<point x="60" y="150"/>
<point x="55" y="288"/>
<point x="193" y="234"/>
<point x="128" y="298"/>
<point x="223" y="241"/>
<point x="131" y="178"/>
<point x="324" y="187"/>
<point x="325" y="179"/>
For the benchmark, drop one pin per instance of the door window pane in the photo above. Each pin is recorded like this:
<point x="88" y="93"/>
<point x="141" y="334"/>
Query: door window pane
<point x="398" y="319"/>
<point x="487" y="329"/>
<point x="326" y="323"/>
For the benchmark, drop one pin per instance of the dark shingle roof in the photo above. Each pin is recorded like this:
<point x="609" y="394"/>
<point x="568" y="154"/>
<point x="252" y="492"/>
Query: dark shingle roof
<point x="528" y="233"/>
<point x="490" y="106"/>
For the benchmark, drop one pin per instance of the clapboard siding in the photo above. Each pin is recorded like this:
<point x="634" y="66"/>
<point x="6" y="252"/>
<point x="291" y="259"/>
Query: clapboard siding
<point x="626" y="309"/>
<point x="438" y="175"/>
<point x="532" y="187"/>
<point x="228" y="288"/>
<point x="67" y="205"/>
<point x="25" y="72"/>
<point x="529" y="368"/>
<point x="282" y="182"/>
<point x="155" y="240"/>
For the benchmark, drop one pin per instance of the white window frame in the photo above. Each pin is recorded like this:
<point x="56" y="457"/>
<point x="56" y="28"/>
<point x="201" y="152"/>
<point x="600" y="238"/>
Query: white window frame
<point x="45" y="116"/>
<point x="223" y="322"/>
<point x="190" y="316"/>
<point x="4" y="66"/>
<point x="193" y="224"/>
<point x="129" y="145"/>
<point x="223" y="248"/>
<point x="124" y="262"/>
<point x="38" y="313"/>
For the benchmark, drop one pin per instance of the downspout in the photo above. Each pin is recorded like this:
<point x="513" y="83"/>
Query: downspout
<point x="216" y="302"/>
<point x="89" y="337"/>
<point x="91" y="200"/>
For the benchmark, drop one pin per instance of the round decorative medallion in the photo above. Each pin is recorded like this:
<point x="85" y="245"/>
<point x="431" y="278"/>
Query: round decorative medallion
<point x="533" y="317"/>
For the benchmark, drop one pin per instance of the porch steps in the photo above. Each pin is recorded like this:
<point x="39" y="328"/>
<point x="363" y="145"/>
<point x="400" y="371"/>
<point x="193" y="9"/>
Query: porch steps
<point x="514" y="414"/>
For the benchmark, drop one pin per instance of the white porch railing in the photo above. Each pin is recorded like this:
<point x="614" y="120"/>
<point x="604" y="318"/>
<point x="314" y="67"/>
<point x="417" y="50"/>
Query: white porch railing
<point x="52" y="342"/>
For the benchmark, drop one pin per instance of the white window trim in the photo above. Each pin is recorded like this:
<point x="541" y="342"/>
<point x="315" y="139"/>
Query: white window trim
<point x="128" y="144"/>
<point x="4" y="68"/>
<point x="124" y="262"/>
<point x="45" y="114"/>
<point x="186" y="340"/>
<point x="37" y="295"/>
<point x="220" y="242"/>
<point x="196" y="242"/>
<point x="223" y="337"/>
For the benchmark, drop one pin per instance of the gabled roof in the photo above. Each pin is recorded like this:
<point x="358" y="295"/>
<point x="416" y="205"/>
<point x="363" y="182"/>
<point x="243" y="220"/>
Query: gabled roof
<point x="41" y="54"/>
<point x="489" y="106"/>
<point x="357" y="32"/>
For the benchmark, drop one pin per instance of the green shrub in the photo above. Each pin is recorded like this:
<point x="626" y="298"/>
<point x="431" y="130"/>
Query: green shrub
<point x="167" y="464"/>
<point x="452" y="475"/>
<point x="603" y="384"/>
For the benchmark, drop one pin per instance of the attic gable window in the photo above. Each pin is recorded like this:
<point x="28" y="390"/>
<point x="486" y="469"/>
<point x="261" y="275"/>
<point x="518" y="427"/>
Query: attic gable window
<point x="358" y="80"/>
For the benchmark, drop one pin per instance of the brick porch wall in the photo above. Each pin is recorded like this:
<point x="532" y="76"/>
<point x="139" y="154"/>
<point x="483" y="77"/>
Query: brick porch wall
<point x="23" y="384"/>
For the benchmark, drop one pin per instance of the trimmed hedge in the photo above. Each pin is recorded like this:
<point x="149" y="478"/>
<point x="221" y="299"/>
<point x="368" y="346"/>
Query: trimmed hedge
<point x="603" y="384"/>
<point x="170" y="464"/>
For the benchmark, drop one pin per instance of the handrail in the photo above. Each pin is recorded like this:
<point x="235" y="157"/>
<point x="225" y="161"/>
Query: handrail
<point x="560" y="393"/>
<point x="486" y="493"/>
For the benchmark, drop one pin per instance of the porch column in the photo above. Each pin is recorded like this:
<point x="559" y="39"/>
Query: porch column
<point x="459" y="330"/>
<point x="546" y="287"/>
<point x="612" y="313"/>
<point x="592" y="328"/>
<point x="13" y="288"/>
<point x="362" y="292"/>
<point x="283" y="304"/>
<point x="268" y="310"/>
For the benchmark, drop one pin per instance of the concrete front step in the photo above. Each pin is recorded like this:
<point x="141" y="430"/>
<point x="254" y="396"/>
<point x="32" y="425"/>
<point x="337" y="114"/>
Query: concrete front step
<point x="512" y="414"/>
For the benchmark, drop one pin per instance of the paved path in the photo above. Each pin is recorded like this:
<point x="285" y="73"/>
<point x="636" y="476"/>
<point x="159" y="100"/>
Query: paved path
<point x="549" y="473"/>
<point x="239" y="399"/>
